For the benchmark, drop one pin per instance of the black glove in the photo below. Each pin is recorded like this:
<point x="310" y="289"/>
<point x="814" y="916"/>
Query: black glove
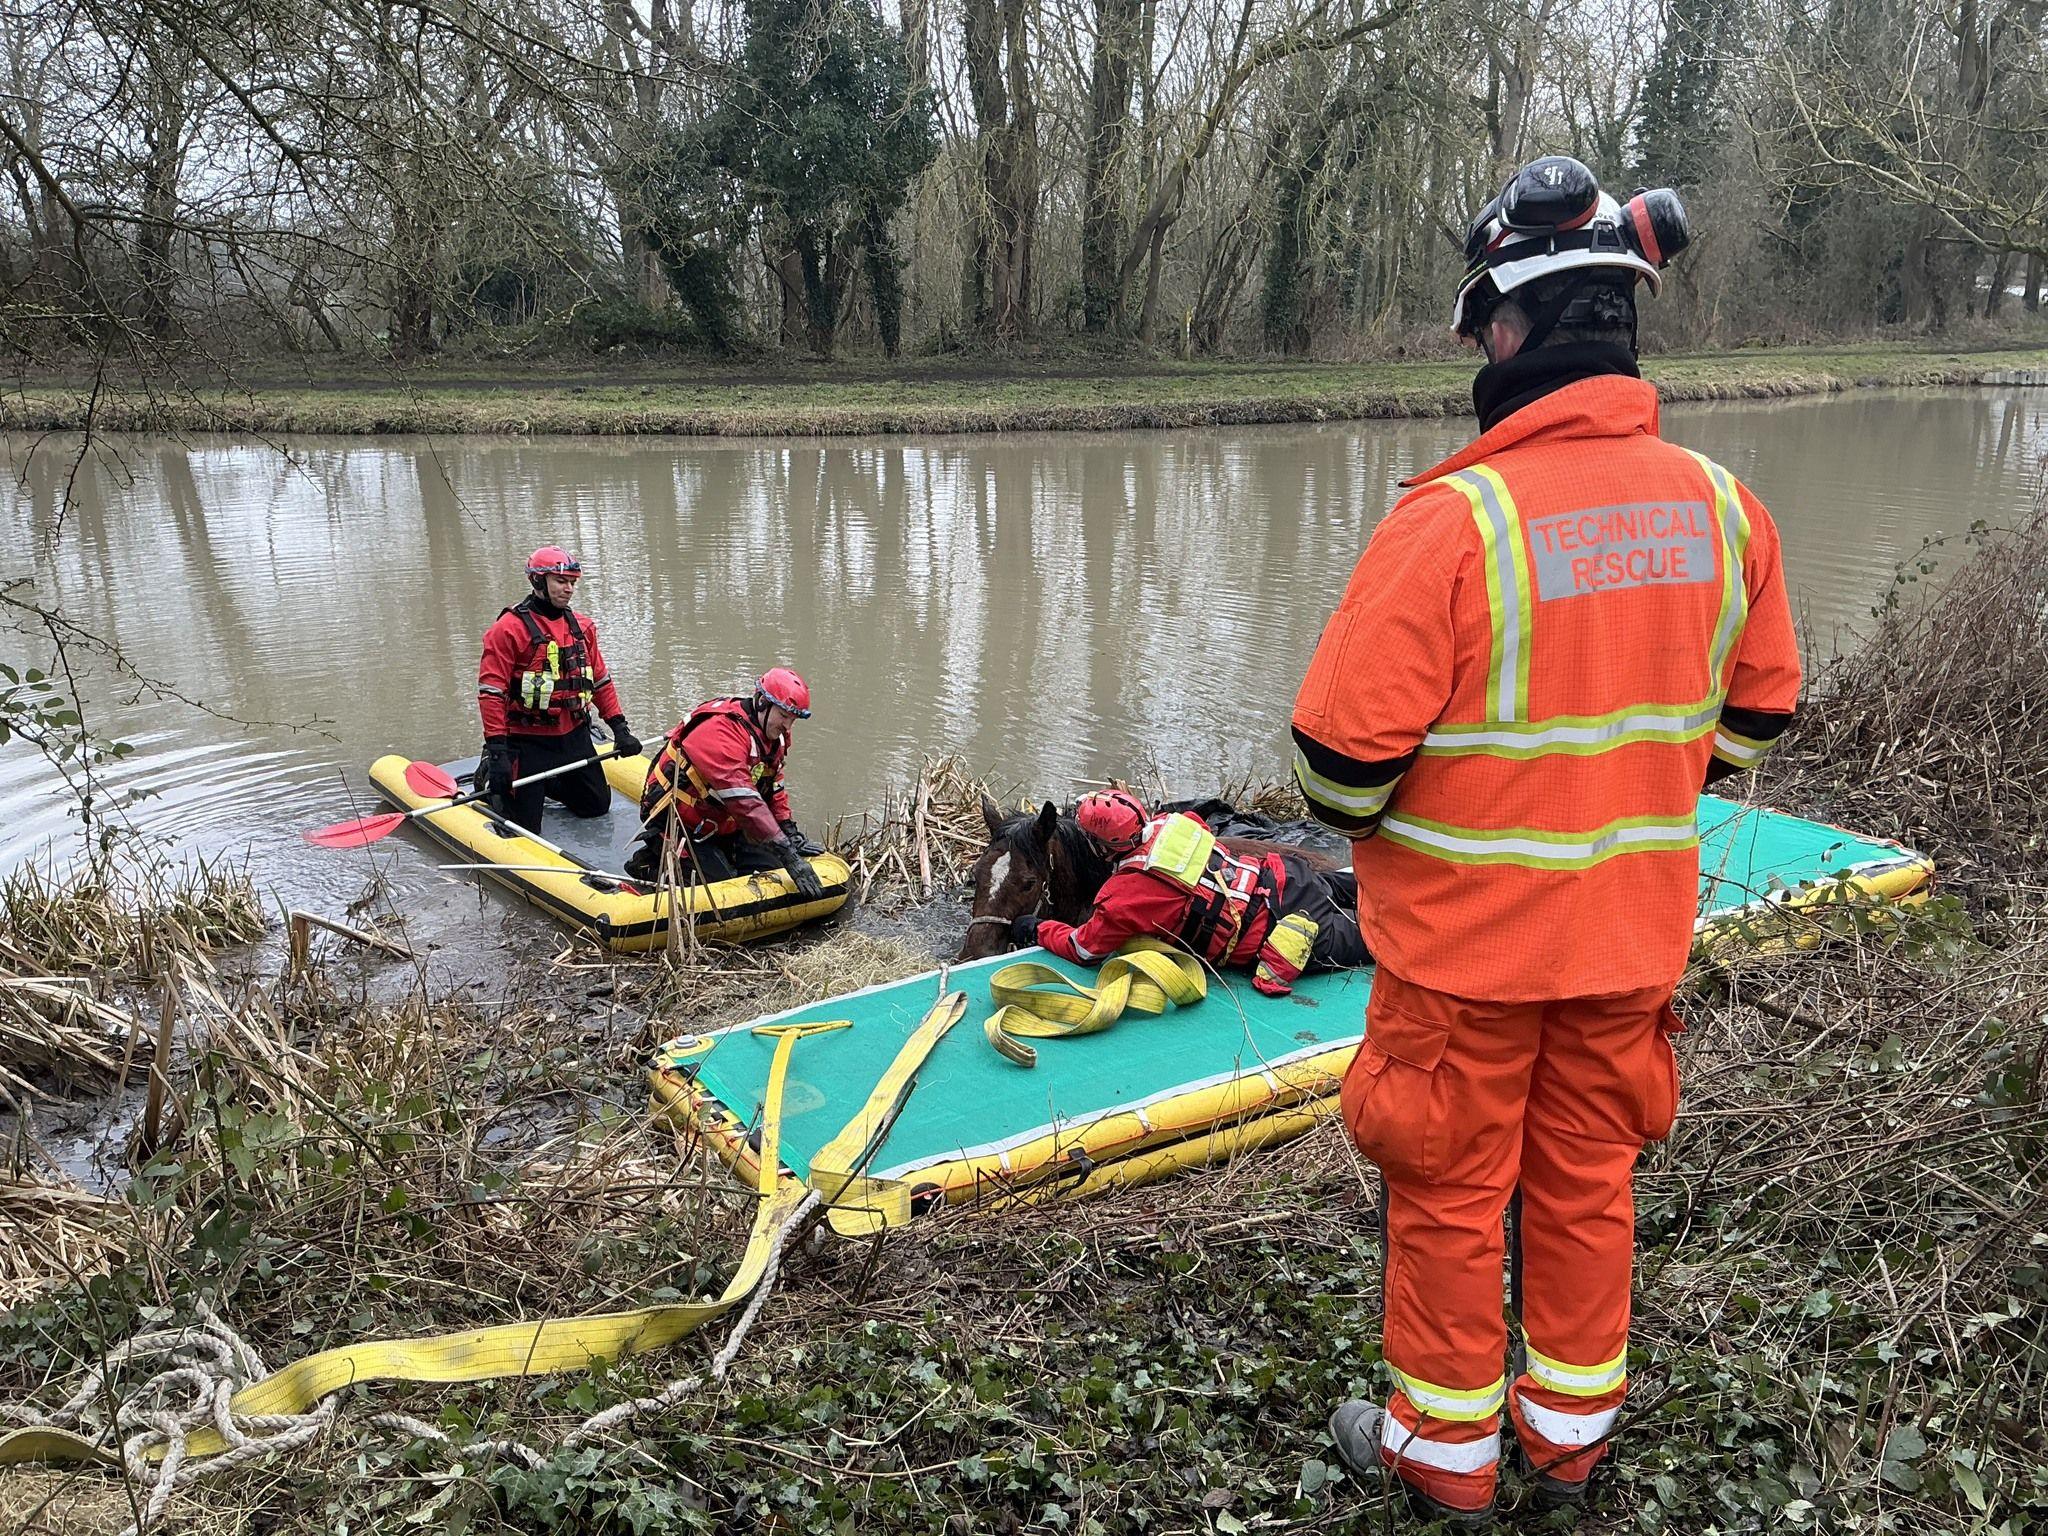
<point x="494" y="770"/>
<point x="808" y="885"/>
<point x="798" y="841"/>
<point x="624" y="742"/>
<point x="1024" y="930"/>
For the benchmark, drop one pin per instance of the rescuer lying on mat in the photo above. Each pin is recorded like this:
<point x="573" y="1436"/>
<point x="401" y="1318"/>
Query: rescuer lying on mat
<point x="715" y="796"/>
<point x="1272" y="911"/>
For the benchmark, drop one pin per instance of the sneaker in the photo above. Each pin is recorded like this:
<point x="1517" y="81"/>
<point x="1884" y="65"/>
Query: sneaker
<point x="1355" y="1434"/>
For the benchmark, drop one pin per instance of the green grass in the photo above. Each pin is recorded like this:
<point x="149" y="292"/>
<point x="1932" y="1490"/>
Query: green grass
<point x="723" y="398"/>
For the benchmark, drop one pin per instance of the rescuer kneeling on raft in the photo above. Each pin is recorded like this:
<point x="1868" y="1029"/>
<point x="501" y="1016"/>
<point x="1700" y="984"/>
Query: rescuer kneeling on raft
<point x="715" y="797"/>
<point x="539" y="679"/>
<point x="1273" y="911"/>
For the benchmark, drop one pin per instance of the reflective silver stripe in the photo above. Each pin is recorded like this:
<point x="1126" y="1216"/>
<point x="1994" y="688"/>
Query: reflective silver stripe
<point x="1548" y="852"/>
<point x="1589" y="733"/>
<point x="1579" y="1380"/>
<point x="1451" y="1402"/>
<point x="1404" y="1445"/>
<point x="487" y="690"/>
<point x="1734" y="525"/>
<point x="1509" y="620"/>
<point x="744" y="792"/>
<point x="1738" y="751"/>
<point x="1566" y="1429"/>
<point x="1361" y="802"/>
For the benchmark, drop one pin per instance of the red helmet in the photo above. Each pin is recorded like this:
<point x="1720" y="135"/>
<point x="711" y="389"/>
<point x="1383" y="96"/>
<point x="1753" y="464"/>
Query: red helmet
<point x="1115" y="818"/>
<point x="785" y="690"/>
<point x="550" y="561"/>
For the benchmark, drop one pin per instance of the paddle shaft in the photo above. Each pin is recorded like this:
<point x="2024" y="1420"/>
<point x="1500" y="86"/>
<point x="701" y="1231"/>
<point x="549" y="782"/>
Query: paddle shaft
<point x="481" y="794"/>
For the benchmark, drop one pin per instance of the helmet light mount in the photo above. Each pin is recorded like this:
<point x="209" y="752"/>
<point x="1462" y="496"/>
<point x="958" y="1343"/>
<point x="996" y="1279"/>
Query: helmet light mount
<point x="1552" y="220"/>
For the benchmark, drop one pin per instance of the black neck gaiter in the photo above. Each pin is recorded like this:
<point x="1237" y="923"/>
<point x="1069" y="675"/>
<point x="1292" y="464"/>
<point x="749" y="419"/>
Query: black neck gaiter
<point x="1501" y="389"/>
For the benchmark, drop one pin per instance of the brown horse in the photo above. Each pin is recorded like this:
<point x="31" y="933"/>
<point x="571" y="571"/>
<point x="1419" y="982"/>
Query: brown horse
<point x="1043" y="862"/>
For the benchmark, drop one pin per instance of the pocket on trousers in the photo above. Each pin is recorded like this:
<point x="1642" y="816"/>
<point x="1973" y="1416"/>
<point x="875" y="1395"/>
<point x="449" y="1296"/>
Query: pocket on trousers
<point x="1659" y="1082"/>
<point x="1389" y="1094"/>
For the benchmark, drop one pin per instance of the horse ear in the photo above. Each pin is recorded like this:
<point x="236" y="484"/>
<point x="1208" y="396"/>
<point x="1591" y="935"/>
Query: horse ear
<point x="993" y="815"/>
<point x="1048" y="821"/>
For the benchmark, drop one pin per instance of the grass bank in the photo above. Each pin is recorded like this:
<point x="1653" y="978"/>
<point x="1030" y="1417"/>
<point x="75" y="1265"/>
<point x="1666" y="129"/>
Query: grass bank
<point x="1842" y="1316"/>
<point x="717" y="399"/>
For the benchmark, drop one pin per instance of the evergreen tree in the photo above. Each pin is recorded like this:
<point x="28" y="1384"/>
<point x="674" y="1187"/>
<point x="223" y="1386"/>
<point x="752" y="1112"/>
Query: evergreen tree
<point x="824" y="134"/>
<point x="1684" y="116"/>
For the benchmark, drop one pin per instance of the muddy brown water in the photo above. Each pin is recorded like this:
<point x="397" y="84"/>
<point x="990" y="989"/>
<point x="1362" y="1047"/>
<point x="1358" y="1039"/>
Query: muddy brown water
<point x="1054" y="608"/>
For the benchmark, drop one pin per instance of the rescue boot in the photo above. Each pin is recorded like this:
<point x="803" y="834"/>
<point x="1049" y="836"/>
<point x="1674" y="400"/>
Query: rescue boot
<point x="643" y="864"/>
<point x="1551" y="1491"/>
<point x="1355" y="1432"/>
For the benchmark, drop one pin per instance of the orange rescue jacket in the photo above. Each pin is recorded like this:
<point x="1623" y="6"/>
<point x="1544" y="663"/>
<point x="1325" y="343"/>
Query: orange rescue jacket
<point x="1514" y="708"/>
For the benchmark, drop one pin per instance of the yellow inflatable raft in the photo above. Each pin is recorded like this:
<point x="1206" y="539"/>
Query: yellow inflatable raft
<point x="576" y="877"/>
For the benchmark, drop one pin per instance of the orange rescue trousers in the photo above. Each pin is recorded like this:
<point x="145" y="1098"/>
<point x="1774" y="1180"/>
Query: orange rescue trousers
<point x="1462" y="1103"/>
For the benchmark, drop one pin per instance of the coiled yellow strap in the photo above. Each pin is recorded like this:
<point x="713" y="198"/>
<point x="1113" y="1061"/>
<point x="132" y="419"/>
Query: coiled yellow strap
<point x="1035" y="1000"/>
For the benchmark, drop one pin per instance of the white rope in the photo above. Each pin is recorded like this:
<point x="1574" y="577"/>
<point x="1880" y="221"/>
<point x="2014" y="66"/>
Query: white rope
<point x="204" y="1365"/>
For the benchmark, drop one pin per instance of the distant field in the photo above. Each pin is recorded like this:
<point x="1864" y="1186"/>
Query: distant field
<point x="727" y="399"/>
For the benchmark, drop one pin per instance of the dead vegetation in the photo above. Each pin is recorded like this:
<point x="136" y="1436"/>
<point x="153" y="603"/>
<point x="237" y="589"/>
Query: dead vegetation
<point x="77" y="948"/>
<point x="1842" y="1284"/>
<point x="1934" y="730"/>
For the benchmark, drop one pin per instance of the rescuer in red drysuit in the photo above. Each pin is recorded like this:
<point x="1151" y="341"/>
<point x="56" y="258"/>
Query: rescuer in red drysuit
<point x="541" y="679"/>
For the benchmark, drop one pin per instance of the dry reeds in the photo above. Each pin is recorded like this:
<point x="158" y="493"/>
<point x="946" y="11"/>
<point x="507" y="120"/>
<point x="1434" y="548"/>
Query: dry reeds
<point x="125" y="913"/>
<point x="57" y="1234"/>
<point x="1934" y="730"/>
<point x="925" y="837"/>
<point x="73" y="942"/>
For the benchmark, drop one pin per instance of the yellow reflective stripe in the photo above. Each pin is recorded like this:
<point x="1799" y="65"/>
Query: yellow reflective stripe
<point x="1455" y="1403"/>
<point x="1533" y="848"/>
<point x="1578" y="1380"/>
<point x="1576" y="735"/>
<point x="1733" y="524"/>
<point x="1341" y="797"/>
<point x="1505" y="559"/>
<point x="1740" y="750"/>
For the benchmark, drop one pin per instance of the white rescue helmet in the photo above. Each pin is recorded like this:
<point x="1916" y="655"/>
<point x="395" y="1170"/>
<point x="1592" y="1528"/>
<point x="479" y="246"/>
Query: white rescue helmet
<point x="1552" y="218"/>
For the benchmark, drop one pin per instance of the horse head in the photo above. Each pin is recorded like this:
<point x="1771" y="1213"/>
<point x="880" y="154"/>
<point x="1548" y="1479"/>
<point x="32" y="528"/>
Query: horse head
<point x="1038" y="861"/>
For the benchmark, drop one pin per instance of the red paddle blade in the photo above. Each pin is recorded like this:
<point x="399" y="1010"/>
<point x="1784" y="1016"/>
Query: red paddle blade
<point x="429" y="782"/>
<point x="355" y="834"/>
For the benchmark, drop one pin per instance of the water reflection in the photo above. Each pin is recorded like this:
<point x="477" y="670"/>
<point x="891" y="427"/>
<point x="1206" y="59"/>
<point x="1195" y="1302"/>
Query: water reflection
<point x="1056" y="607"/>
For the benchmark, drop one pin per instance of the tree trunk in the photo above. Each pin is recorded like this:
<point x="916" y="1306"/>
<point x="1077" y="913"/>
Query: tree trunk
<point x="787" y="267"/>
<point x="2001" y="274"/>
<point x="1914" y="298"/>
<point x="1109" y="113"/>
<point x="1148" y="317"/>
<point x="2032" y="295"/>
<point x="1006" y="116"/>
<point x="163" y="157"/>
<point x="411" y="294"/>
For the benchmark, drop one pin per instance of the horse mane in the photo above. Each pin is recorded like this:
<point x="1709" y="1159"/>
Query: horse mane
<point x="1074" y="876"/>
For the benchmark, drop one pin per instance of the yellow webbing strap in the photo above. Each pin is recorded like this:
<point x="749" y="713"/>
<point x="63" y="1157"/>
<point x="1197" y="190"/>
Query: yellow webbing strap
<point x="508" y="1349"/>
<point x="861" y="1206"/>
<point x="1034" y="999"/>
